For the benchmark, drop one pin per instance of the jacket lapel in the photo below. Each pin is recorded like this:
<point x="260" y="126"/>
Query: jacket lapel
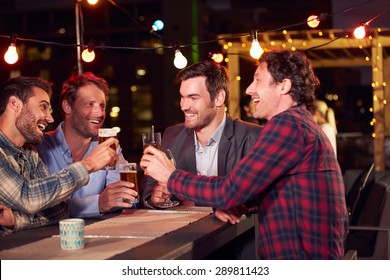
<point x="188" y="151"/>
<point x="224" y="146"/>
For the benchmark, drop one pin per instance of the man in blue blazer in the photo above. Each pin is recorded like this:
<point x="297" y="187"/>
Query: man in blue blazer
<point x="209" y="142"/>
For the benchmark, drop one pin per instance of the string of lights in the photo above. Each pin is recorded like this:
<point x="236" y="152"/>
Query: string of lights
<point x="180" y="61"/>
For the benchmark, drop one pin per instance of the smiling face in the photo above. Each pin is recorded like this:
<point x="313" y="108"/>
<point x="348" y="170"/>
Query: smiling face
<point x="34" y="117"/>
<point x="87" y="113"/>
<point x="199" y="110"/>
<point x="264" y="93"/>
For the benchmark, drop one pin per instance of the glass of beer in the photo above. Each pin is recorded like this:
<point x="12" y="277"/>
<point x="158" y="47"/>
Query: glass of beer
<point x="128" y="173"/>
<point x="103" y="135"/>
<point x="151" y="139"/>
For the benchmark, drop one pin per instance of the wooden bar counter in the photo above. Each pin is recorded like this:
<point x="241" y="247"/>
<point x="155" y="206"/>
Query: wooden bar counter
<point x="180" y="233"/>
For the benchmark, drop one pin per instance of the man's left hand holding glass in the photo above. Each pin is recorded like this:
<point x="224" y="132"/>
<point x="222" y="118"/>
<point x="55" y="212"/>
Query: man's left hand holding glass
<point x="118" y="194"/>
<point x="156" y="164"/>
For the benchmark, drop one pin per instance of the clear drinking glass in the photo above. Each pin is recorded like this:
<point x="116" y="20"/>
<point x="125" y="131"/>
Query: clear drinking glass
<point x="168" y="202"/>
<point x="154" y="139"/>
<point x="128" y="172"/>
<point x="103" y="135"/>
<point x="151" y="139"/>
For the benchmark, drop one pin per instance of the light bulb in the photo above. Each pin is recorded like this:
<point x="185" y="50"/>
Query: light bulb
<point x="313" y="21"/>
<point x="180" y="61"/>
<point x="158" y="25"/>
<point x="92" y="2"/>
<point x="217" y="57"/>
<point x="88" y="55"/>
<point x="256" y="50"/>
<point x="11" y="56"/>
<point x="360" y="31"/>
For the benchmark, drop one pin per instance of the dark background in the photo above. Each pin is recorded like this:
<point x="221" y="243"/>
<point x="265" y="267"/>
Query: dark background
<point x="154" y="97"/>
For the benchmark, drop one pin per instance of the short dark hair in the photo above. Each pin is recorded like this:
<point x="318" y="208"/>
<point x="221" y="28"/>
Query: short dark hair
<point x="22" y="88"/>
<point x="71" y="86"/>
<point x="293" y="65"/>
<point x="217" y="77"/>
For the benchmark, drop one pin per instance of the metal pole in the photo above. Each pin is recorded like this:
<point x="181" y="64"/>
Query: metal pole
<point x="78" y="37"/>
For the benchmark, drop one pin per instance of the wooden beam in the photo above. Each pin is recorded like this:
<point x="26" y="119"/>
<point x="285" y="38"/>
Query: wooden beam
<point x="344" y="62"/>
<point x="343" y="52"/>
<point x="386" y="78"/>
<point x="234" y="71"/>
<point x="378" y="97"/>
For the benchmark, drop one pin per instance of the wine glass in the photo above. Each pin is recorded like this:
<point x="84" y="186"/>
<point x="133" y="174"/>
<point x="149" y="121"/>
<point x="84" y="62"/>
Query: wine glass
<point x="168" y="202"/>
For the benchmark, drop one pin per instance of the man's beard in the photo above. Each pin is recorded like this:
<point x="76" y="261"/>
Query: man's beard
<point x="204" y="119"/>
<point x="27" y="126"/>
<point x="202" y="122"/>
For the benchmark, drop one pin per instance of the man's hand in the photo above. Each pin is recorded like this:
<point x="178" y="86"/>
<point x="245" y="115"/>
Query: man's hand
<point x="118" y="194"/>
<point x="156" y="164"/>
<point x="159" y="195"/>
<point x="101" y="156"/>
<point x="231" y="215"/>
<point x="7" y="218"/>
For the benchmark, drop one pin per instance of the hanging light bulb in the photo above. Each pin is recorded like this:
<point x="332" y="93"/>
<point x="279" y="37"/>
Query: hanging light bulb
<point x="313" y="21"/>
<point x="180" y="61"/>
<point x="256" y="50"/>
<point x="217" y="57"/>
<point x="88" y="54"/>
<point x="158" y="25"/>
<point x="92" y="2"/>
<point x="11" y="56"/>
<point x="360" y="31"/>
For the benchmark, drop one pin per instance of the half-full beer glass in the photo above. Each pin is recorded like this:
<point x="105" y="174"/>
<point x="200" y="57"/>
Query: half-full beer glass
<point x="128" y="173"/>
<point x="103" y="135"/>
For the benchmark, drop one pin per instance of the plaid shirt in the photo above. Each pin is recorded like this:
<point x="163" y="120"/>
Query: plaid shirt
<point x="293" y="173"/>
<point x="28" y="189"/>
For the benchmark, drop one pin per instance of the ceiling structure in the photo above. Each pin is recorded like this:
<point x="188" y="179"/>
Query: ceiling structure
<point x="328" y="48"/>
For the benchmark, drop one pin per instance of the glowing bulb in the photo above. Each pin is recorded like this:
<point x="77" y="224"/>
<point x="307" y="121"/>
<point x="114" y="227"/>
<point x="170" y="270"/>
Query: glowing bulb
<point x="114" y="114"/>
<point x="313" y="21"/>
<point x="180" y="61"/>
<point x="360" y="31"/>
<point x="88" y="55"/>
<point x="256" y="50"/>
<point x="115" y="109"/>
<point x="217" y="57"/>
<point x="158" y="25"/>
<point x="11" y="56"/>
<point x="92" y="2"/>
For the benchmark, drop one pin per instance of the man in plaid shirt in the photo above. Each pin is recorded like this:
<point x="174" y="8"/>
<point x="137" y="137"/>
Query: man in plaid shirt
<point x="292" y="170"/>
<point x="29" y="196"/>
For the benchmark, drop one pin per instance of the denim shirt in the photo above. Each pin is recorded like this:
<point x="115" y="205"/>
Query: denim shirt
<point x="55" y="153"/>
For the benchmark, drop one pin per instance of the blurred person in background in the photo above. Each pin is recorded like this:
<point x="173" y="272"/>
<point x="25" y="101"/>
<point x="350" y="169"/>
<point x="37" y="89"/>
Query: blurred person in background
<point x="325" y="118"/>
<point x="247" y="110"/>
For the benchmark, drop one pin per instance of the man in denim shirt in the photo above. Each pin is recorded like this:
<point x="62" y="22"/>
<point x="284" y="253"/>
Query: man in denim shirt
<point x="83" y="101"/>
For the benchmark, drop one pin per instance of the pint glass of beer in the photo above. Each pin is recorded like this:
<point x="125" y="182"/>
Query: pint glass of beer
<point x="151" y="139"/>
<point x="128" y="172"/>
<point x="103" y="135"/>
